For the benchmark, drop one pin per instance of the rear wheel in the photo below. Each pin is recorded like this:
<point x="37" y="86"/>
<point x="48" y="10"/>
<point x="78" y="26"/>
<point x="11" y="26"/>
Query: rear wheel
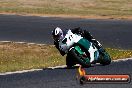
<point x="105" y="58"/>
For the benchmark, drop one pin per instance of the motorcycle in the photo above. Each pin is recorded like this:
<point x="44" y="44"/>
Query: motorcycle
<point x="81" y="51"/>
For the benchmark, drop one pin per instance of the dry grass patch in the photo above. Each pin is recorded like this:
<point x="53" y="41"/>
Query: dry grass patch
<point x="110" y="8"/>
<point x="17" y="56"/>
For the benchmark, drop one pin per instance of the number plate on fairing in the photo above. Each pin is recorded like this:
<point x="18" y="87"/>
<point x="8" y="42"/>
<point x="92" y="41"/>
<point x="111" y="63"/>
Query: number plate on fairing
<point x="69" y="40"/>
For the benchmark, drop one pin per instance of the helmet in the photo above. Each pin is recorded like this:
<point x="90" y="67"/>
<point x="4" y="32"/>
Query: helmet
<point x="57" y="34"/>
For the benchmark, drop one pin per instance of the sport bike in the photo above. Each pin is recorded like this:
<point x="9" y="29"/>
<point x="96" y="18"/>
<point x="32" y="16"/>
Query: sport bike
<point x="81" y="51"/>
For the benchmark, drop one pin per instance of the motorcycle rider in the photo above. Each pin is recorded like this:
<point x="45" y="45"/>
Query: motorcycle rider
<point x="58" y="35"/>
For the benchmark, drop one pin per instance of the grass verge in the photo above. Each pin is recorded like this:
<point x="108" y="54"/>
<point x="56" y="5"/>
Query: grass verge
<point x="16" y="56"/>
<point x="103" y="8"/>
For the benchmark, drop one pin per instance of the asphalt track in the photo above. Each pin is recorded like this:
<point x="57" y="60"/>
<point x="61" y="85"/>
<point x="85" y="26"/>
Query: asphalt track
<point x="66" y="78"/>
<point x="111" y="33"/>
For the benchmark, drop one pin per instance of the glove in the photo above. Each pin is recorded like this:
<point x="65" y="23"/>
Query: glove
<point x="96" y="43"/>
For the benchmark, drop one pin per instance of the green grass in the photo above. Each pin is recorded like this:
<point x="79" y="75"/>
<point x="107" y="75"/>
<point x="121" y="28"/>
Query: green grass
<point x="14" y="56"/>
<point x="112" y="8"/>
<point x="118" y="53"/>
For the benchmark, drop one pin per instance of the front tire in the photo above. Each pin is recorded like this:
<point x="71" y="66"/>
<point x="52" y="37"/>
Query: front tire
<point x="79" y="59"/>
<point x="69" y="61"/>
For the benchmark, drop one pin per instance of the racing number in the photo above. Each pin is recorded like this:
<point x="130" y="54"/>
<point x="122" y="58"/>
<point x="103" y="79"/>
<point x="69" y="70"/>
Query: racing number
<point x="70" y="37"/>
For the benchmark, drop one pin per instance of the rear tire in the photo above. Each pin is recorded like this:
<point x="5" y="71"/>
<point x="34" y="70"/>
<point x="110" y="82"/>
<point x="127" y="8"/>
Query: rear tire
<point x="105" y="58"/>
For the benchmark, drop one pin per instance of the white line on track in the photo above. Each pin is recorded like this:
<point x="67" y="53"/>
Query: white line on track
<point x="122" y="59"/>
<point x="21" y="43"/>
<point x="16" y="72"/>
<point x="62" y="66"/>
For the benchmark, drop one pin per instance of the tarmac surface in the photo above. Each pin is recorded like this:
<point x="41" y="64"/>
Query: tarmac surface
<point x="111" y="33"/>
<point x="66" y="78"/>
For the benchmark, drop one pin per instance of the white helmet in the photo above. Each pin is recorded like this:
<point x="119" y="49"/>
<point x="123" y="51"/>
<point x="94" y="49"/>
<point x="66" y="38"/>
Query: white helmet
<point x="57" y="34"/>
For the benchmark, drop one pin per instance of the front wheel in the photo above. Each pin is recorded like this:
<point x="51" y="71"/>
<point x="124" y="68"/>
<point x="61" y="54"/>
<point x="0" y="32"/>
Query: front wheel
<point x="70" y="61"/>
<point x="84" y="61"/>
